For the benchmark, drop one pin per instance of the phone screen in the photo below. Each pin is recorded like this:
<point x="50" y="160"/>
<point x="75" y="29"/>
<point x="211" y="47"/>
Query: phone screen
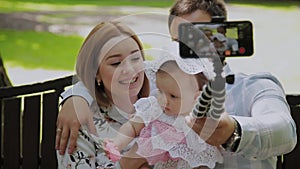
<point x="227" y="39"/>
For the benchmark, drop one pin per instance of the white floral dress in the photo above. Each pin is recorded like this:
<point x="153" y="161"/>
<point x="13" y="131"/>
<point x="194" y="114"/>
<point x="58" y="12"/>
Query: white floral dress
<point x="89" y="153"/>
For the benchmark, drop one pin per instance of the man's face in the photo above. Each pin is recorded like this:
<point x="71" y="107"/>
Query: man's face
<point x="221" y="30"/>
<point x="197" y="16"/>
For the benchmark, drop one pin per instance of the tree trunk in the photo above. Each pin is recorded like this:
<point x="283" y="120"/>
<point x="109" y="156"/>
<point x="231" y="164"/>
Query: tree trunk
<point x="4" y="79"/>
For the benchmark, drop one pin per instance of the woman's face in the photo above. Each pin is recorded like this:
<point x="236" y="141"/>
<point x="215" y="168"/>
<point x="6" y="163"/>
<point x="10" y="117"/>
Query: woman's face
<point x="121" y="69"/>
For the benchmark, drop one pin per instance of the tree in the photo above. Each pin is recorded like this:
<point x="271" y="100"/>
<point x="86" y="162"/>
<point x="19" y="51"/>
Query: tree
<point x="4" y="79"/>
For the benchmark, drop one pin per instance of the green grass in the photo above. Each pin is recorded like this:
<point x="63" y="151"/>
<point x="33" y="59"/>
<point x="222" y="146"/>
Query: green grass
<point x="39" y="49"/>
<point x="37" y="5"/>
<point x="151" y="3"/>
<point x="31" y="49"/>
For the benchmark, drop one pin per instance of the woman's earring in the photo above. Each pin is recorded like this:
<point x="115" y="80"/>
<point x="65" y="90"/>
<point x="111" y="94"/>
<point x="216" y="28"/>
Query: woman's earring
<point x="99" y="82"/>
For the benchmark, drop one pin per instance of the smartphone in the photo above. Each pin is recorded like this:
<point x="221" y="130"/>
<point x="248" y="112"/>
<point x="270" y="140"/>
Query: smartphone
<point x="227" y="39"/>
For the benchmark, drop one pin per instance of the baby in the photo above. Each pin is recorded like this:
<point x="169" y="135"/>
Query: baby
<point x="164" y="139"/>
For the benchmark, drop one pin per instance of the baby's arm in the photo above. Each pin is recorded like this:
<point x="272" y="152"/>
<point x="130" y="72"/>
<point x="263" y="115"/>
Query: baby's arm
<point x="128" y="131"/>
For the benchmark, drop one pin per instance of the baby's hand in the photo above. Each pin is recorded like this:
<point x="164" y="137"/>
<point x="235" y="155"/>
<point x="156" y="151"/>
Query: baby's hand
<point x="111" y="151"/>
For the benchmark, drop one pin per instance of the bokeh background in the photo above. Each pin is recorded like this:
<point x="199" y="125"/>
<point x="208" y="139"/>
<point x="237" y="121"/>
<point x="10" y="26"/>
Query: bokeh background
<point x="39" y="40"/>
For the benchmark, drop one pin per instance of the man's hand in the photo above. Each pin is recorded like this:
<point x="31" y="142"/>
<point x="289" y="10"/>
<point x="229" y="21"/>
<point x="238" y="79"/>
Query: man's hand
<point x="74" y="113"/>
<point x="214" y="132"/>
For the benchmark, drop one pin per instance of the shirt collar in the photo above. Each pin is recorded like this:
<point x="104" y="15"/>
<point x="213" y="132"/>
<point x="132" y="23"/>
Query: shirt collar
<point x="227" y="70"/>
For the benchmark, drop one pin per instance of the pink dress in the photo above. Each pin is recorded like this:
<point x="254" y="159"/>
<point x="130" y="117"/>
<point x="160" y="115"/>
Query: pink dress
<point x="167" y="142"/>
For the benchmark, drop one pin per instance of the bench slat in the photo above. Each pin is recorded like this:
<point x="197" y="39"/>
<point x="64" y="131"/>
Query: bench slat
<point x="292" y="159"/>
<point x="12" y="111"/>
<point x="50" y="111"/>
<point x="293" y="100"/>
<point x="31" y="132"/>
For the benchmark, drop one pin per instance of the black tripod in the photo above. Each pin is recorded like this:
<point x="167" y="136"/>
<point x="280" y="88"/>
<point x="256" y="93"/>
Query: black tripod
<point x="211" y="100"/>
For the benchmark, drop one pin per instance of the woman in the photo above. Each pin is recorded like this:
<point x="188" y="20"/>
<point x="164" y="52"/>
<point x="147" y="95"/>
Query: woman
<point x="110" y="65"/>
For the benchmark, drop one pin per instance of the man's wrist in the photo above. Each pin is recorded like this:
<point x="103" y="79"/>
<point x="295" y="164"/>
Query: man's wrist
<point x="234" y="140"/>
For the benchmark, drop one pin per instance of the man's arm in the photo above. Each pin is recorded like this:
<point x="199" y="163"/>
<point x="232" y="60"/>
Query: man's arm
<point x="74" y="112"/>
<point x="270" y="132"/>
<point x="77" y="90"/>
<point x="267" y="128"/>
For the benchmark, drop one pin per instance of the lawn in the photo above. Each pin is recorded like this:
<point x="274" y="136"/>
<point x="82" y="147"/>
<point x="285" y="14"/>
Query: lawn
<point x="32" y="49"/>
<point x="37" y="5"/>
<point x="39" y="49"/>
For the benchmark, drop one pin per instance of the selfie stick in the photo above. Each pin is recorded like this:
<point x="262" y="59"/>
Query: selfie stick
<point x="211" y="100"/>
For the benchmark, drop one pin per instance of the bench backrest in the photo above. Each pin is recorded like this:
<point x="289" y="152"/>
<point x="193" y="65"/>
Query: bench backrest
<point x="28" y="123"/>
<point x="28" y="118"/>
<point x="291" y="160"/>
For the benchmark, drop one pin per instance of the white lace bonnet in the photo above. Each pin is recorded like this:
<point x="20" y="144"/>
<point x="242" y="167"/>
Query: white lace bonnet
<point x="189" y="65"/>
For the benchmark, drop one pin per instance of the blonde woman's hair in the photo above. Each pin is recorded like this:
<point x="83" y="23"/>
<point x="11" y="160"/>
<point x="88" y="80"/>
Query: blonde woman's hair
<point x="88" y="59"/>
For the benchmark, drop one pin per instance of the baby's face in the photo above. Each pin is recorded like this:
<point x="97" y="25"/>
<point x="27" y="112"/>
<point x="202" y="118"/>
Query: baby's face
<point x="177" y="92"/>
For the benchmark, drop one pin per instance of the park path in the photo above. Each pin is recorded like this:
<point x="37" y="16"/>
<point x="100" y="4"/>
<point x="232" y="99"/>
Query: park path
<point x="276" y="36"/>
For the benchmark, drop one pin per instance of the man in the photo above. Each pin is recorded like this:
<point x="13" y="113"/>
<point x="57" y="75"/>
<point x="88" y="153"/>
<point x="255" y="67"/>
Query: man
<point x="256" y="126"/>
<point x="231" y="42"/>
<point x="220" y="43"/>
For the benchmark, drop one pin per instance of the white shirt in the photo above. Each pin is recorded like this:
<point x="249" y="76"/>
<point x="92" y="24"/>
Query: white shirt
<point x="258" y="103"/>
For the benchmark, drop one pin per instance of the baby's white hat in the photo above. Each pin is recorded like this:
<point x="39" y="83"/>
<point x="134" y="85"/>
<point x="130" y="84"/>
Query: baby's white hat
<point x="188" y="65"/>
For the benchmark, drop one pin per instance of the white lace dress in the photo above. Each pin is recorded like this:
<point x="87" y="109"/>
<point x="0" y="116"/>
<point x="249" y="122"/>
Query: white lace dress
<point x="167" y="142"/>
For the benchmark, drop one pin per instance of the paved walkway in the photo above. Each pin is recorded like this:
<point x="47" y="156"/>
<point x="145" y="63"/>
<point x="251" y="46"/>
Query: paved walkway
<point x="276" y="35"/>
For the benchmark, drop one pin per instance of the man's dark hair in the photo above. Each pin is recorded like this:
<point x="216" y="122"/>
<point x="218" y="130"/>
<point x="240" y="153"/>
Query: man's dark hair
<point x="184" y="7"/>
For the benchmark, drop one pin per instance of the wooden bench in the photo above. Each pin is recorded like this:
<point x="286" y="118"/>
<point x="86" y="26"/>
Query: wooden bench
<point x="28" y="123"/>
<point x="291" y="160"/>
